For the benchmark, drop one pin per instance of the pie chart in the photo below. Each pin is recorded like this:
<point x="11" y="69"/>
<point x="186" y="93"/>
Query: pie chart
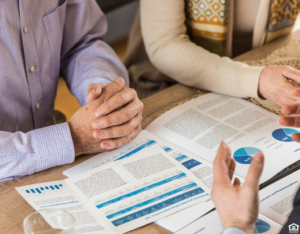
<point x="244" y="155"/>
<point x="284" y="134"/>
<point x="261" y="226"/>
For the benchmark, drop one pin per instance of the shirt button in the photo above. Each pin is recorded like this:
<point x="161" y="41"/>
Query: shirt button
<point x="38" y="106"/>
<point x="25" y="29"/>
<point x="32" y="68"/>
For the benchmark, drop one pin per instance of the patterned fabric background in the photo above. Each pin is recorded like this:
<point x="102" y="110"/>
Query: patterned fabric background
<point x="283" y="14"/>
<point x="207" y="22"/>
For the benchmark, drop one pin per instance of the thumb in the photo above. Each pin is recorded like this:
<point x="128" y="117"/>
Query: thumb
<point x="255" y="170"/>
<point x="94" y="91"/>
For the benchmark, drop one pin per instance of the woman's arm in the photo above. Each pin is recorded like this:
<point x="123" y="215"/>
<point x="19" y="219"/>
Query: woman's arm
<point x="171" y="51"/>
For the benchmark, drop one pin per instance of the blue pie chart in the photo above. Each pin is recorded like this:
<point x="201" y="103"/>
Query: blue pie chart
<point x="261" y="226"/>
<point x="284" y="134"/>
<point x="244" y="155"/>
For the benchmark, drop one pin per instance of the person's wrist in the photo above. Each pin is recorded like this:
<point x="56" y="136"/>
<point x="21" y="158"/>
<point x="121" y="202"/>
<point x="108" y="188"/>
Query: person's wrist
<point x="75" y="139"/>
<point x="261" y="83"/>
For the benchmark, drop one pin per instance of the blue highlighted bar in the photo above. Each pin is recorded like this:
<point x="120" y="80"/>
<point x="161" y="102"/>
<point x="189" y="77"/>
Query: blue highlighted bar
<point x="42" y="188"/>
<point x="46" y="187"/>
<point x="141" y="190"/>
<point x="27" y="191"/>
<point x="137" y="149"/>
<point x="181" y="157"/>
<point x="38" y="190"/>
<point x="60" y="185"/>
<point x="32" y="190"/>
<point x="151" y="200"/>
<point x="52" y="187"/>
<point x="157" y="207"/>
<point x="167" y="149"/>
<point x="56" y="186"/>
<point x="191" y="163"/>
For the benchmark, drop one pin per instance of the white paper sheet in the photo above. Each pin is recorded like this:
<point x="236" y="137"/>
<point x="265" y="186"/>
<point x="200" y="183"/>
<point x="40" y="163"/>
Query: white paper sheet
<point x="276" y="200"/>
<point x="124" y="194"/>
<point x="58" y="195"/>
<point x="211" y="224"/>
<point x="200" y="124"/>
<point x="140" y="143"/>
<point x="150" y="192"/>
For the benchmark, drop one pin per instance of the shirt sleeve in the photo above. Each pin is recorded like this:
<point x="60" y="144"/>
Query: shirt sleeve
<point x="175" y="55"/>
<point x="85" y="57"/>
<point x="26" y="153"/>
<point x="233" y="231"/>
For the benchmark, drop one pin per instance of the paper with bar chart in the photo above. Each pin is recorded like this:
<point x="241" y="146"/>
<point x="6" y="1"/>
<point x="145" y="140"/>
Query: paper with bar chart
<point x="58" y="195"/>
<point x="128" y="193"/>
<point x="151" y="185"/>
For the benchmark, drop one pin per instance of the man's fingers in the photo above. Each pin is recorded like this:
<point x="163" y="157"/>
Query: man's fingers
<point x="119" y="100"/>
<point x="116" y="143"/>
<point x="94" y="91"/>
<point x="254" y="173"/>
<point x="290" y="121"/>
<point x="220" y="169"/>
<point x="296" y="137"/>
<point x="110" y="90"/>
<point x="118" y="131"/>
<point x="292" y="74"/>
<point x="119" y="117"/>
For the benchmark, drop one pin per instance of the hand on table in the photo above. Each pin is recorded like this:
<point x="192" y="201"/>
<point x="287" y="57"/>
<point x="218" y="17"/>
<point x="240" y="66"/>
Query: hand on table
<point x="291" y="121"/>
<point x="118" y="120"/>
<point x="275" y="85"/>
<point x="81" y="122"/>
<point x="236" y="205"/>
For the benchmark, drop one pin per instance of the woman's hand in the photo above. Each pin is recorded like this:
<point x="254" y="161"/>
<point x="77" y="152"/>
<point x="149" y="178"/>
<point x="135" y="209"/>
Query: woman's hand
<point x="275" y="84"/>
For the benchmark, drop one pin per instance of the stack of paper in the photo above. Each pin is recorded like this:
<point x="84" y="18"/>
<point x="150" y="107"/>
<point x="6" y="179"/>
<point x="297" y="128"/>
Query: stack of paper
<point x="173" y="156"/>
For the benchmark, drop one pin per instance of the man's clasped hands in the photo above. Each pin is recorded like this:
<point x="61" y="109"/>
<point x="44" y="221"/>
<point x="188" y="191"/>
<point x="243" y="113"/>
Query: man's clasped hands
<point x="111" y="119"/>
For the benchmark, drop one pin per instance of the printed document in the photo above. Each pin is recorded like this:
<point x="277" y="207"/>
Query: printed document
<point x="201" y="124"/>
<point x="58" y="195"/>
<point x="129" y="193"/>
<point x="276" y="200"/>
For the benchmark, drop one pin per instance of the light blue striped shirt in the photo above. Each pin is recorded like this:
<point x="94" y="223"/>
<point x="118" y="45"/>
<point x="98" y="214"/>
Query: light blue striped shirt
<point x="39" y="42"/>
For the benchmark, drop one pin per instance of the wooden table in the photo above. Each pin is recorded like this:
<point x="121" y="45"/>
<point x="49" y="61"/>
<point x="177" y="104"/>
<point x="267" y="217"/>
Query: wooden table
<point x="13" y="208"/>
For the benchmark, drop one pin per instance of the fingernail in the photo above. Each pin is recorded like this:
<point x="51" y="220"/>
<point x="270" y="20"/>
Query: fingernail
<point x="105" y="145"/>
<point x="99" y="113"/>
<point x="97" y="125"/>
<point x="99" y="134"/>
<point x="119" y="80"/>
<point x="258" y="157"/>
<point x="91" y="91"/>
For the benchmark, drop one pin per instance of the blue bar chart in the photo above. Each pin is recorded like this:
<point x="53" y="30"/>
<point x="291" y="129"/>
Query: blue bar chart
<point x="42" y="189"/>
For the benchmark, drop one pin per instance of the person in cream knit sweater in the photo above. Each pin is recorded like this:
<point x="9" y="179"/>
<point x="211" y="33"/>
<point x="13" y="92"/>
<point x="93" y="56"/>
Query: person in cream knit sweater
<point x="192" y="42"/>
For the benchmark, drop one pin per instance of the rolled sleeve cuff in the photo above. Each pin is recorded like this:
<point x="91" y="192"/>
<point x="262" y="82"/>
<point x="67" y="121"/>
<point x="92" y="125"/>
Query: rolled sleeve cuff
<point x="233" y="231"/>
<point x="53" y="146"/>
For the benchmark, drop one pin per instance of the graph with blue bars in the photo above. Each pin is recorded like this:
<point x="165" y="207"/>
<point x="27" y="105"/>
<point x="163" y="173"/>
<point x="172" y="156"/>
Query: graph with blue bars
<point x="284" y="134"/>
<point x="261" y="226"/>
<point x="43" y="189"/>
